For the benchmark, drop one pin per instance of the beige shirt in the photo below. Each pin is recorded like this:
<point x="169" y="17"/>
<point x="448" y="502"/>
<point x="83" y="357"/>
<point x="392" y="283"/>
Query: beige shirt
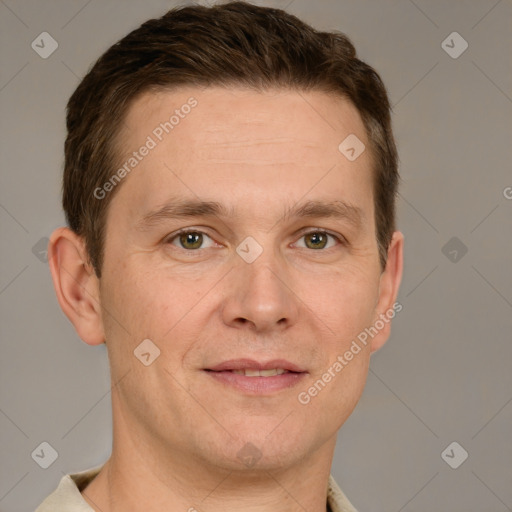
<point x="67" y="497"/>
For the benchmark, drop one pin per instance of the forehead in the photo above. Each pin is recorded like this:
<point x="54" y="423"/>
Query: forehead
<point x="262" y="145"/>
<point x="269" y="113"/>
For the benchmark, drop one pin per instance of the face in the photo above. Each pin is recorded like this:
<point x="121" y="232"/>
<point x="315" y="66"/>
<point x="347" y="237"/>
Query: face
<point x="243" y="240"/>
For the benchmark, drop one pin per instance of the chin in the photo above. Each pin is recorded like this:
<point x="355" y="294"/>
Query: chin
<point x="252" y="450"/>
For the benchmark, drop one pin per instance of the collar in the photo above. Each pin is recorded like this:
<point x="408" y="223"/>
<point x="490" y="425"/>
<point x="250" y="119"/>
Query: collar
<point x="67" y="496"/>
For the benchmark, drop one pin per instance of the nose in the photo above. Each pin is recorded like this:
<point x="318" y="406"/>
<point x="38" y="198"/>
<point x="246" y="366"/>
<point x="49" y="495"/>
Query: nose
<point x="260" y="297"/>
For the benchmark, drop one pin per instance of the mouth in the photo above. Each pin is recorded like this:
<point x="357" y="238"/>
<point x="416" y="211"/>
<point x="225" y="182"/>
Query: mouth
<point x="254" y="377"/>
<point x="248" y="372"/>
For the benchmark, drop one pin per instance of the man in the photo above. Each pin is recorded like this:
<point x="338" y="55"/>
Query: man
<point x="229" y="186"/>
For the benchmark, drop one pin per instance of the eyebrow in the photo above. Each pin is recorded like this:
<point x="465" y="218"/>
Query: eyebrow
<point x="181" y="208"/>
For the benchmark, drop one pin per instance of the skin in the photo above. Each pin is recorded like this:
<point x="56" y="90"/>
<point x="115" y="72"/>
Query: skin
<point x="177" y="431"/>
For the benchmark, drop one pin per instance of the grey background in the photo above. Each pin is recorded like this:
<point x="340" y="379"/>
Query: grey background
<point x="445" y="374"/>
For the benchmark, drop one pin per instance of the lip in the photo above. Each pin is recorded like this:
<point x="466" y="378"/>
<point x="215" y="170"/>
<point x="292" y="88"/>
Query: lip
<point x="257" y="385"/>
<point x="243" y="364"/>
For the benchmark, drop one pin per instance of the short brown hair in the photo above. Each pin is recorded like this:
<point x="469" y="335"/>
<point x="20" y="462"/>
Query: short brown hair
<point x="233" y="44"/>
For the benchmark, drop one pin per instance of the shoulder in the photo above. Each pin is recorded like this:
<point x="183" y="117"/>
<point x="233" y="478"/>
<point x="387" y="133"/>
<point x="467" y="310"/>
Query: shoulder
<point x="336" y="499"/>
<point x="66" y="497"/>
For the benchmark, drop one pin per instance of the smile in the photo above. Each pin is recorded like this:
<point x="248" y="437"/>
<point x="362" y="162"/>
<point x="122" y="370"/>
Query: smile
<point x="257" y="378"/>
<point x="260" y="373"/>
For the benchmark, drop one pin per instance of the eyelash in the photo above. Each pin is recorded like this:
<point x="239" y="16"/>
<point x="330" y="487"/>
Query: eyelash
<point x="341" y="240"/>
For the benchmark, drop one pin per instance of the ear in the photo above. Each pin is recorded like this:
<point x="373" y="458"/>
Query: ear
<point x="390" y="279"/>
<point x="76" y="284"/>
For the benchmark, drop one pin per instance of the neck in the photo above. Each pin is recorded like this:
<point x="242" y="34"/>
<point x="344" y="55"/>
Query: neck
<point x="145" y="473"/>
<point x="131" y="481"/>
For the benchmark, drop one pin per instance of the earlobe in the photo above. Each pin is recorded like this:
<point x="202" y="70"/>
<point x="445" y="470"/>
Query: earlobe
<point x="76" y="284"/>
<point x="390" y="280"/>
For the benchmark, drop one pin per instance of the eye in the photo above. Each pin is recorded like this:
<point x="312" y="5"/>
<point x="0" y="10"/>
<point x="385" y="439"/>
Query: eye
<point x="193" y="239"/>
<point x="189" y="240"/>
<point x="320" y="240"/>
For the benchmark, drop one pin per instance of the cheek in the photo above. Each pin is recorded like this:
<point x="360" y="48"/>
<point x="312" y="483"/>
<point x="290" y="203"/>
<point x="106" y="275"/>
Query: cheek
<point x="345" y="301"/>
<point x="138" y="306"/>
<point x="147" y="304"/>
